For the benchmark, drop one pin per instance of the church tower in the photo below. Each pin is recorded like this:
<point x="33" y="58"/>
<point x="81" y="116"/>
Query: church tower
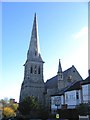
<point x="60" y="77"/>
<point x="33" y="84"/>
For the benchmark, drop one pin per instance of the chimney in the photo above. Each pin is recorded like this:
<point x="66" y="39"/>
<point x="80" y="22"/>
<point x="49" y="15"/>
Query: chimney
<point x="89" y="72"/>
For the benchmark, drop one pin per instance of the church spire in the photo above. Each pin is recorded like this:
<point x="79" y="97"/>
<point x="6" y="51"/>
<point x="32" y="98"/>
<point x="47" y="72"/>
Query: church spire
<point x="34" y="52"/>
<point x="59" y="67"/>
<point x="60" y="77"/>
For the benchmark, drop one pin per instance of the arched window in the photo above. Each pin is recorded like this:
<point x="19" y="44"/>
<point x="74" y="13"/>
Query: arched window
<point x="35" y="69"/>
<point x="39" y="70"/>
<point x="31" y="69"/>
<point x="35" y="53"/>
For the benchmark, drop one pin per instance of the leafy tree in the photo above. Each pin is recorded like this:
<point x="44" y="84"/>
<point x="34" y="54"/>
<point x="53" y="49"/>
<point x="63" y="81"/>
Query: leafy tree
<point x="14" y="106"/>
<point x="8" y="112"/>
<point x="9" y="108"/>
<point x="29" y="104"/>
<point x="32" y="108"/>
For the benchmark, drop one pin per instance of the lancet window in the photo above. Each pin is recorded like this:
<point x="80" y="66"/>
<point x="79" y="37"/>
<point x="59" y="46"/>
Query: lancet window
<point x="39" y="70"/>
<point x="35" y="69"/>
<point x="31" y="69"/>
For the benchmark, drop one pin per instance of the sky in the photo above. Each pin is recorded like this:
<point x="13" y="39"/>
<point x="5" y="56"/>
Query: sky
<point x="63" y="34"/>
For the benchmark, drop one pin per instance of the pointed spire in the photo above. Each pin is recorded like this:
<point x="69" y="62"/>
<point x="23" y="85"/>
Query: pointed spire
<point x="59" y="67"/>
<point x="34" y="51"/>
<point x="34" y="36"/>
<point x="34" y="30"/>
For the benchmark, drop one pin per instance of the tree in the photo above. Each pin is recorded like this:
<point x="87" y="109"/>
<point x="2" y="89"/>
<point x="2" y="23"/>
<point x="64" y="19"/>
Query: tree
<point x="8" y="112"/>
<point x="14" y="106"/>
<point x="32" y="108"/>
<point x="9" y="108"/>
<point x="28" y="105"/>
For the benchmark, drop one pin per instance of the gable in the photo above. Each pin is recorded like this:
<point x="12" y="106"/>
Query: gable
<point x="75" y="76"/>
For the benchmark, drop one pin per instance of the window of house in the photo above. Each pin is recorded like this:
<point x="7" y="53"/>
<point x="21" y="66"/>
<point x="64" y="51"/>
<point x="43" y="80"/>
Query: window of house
<point x="77" y="95"/>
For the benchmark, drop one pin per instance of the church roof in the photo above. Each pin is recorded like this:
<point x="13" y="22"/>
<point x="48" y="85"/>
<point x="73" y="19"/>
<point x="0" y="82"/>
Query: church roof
<point x="52" y="82"/>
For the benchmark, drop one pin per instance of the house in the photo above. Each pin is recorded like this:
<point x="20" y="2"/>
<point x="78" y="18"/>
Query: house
<point x="61" y="82"/>
<point x="76" y="93"/>
<point x="86" y="89"/>
<point x="68" y="98"/>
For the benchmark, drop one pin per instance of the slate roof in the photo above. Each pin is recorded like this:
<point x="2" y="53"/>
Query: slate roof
<point x="86" y="81"/>
<point x="75" y="86"/>
<point x="52" y="82"/>
<point x="65" y="73"/>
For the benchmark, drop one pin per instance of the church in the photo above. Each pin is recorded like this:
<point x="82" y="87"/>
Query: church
<point x="33" y="83"/>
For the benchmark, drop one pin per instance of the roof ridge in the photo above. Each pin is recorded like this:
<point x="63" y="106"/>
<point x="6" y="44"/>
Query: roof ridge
<point x="68" y="68"/>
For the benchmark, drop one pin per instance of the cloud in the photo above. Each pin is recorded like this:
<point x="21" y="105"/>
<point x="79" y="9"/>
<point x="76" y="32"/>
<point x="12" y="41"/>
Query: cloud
<point x="82" y="34"/>
<point x="80" y="57"/>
